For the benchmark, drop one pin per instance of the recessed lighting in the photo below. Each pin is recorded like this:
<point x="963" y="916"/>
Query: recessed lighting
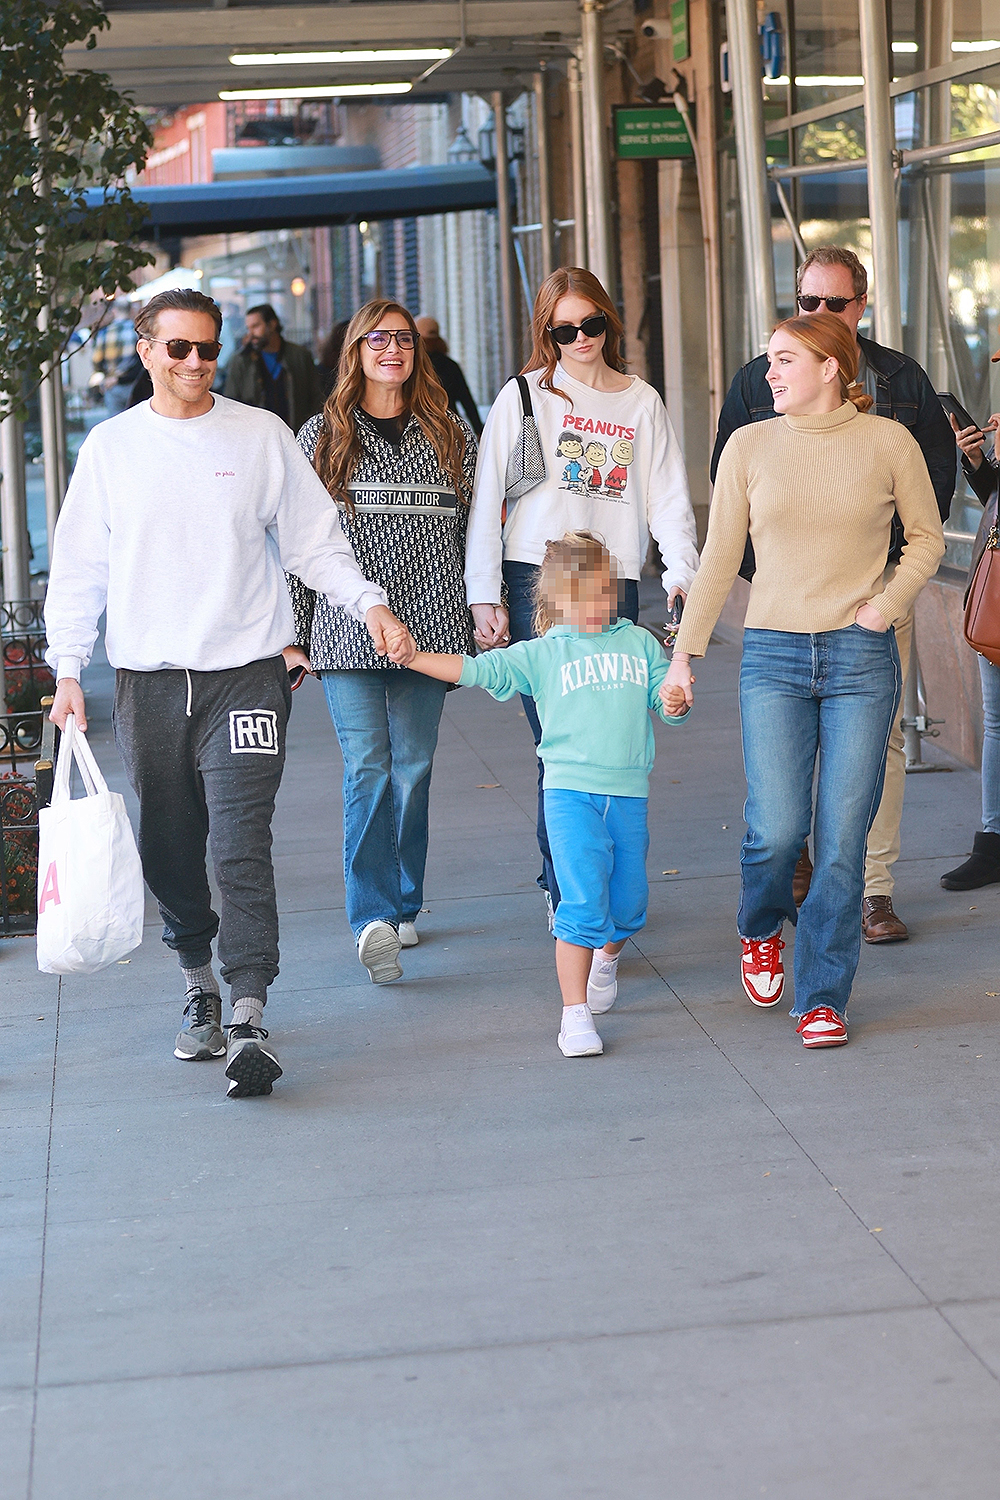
<point x="896" y="47"/>
<point x="975" y="46"/>
<point x="323" y="91"/>
<point x="393" y="54"/>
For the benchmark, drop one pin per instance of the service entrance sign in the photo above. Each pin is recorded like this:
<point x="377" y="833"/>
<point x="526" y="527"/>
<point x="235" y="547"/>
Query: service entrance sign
<point x="653" y="130"/>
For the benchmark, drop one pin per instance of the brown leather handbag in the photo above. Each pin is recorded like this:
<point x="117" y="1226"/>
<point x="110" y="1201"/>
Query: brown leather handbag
<point x="982" y="600"/>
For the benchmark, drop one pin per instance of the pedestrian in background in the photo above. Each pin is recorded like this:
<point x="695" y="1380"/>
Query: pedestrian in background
<point x="449" y="372"/>
<point x="399" y="466"/>
<point x="114" y="362"/>
<point x="833" y="280"/>
<point x="818" y="490"/>
<point x="272" y="373"/>
<point x="329" y="355"/>
<point x="613" y="467"/>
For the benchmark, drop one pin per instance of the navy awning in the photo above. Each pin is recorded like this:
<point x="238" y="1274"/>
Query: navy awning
<point x="306" y="202"/>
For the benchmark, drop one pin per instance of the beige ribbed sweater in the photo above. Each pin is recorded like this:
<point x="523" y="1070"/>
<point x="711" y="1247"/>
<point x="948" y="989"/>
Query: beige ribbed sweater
<point x="816" y="495"/>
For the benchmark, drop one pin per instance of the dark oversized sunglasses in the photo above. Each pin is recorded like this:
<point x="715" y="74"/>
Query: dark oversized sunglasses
<point x="380" y="338"/>
<point x="208" y="349"/>
<point x="833" y="304"/>
<point x="591" y="328"/>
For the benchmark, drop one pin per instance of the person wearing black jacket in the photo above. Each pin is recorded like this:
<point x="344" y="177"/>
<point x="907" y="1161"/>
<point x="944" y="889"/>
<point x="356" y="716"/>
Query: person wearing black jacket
<point x="273" y="373"/>
<point x="832" y="279"/>
<point x="983" y="474"/>
<point x="449" y="373"/>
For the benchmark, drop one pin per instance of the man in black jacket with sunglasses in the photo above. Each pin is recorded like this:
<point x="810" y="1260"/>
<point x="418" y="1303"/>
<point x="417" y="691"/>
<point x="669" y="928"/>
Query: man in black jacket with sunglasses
<point x="832" y="279"/>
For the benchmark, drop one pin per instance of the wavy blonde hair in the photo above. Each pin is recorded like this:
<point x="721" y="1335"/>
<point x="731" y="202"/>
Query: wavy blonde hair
<point x="544" y="349"/>
<point x="338" y="446"/>
<point x="575" y="557"/>
<point x="828" y="337"/>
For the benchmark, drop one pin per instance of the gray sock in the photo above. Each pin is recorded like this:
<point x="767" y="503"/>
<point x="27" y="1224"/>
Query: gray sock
<point x="200" y="980"/>
<point x="248" y="1012"/>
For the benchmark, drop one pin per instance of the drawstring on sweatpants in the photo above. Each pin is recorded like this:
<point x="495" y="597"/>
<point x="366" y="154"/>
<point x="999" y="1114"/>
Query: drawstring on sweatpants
<point x="187" y="711"/>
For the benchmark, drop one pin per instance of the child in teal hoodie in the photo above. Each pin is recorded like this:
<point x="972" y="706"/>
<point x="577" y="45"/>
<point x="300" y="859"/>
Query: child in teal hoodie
<point x="594" y="684"/>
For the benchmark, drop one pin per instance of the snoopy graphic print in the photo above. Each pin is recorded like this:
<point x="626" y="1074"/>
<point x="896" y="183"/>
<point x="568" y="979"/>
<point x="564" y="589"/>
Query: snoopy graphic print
<point x="583" y="451"/>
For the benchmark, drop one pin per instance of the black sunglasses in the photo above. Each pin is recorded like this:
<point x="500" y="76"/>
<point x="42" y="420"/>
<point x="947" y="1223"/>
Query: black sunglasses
<point x="591" y="328"/>
<point x="833" y="304"/>
<point x="209" y="349"/>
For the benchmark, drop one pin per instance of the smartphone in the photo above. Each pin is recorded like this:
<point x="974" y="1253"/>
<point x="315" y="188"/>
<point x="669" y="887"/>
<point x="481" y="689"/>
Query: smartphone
<point x="955" y="409"/>
<point x="674" y="615"/>
<point x="296" y="677"/>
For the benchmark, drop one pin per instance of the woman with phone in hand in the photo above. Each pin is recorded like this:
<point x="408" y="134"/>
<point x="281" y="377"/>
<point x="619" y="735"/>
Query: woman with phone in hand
<point x="816" y="491"/>
<point x="613" y="467"/>
<point x="399" y="466"/>
<point x="983" y="865"/>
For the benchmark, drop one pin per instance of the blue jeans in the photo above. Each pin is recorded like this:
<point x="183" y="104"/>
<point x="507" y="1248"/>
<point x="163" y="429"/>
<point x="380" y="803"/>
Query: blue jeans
<point x="387" y="725"/>
<point x="522" y="580"/>
<point x="834" y="694"/>
<point x="599" y="845"/>
<point x="990" y="676"/>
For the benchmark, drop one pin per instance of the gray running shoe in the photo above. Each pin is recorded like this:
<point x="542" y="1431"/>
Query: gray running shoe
<point x="201" y="1037"/>
<point x="378" y="950"/>
<point x="250" y="1066"/>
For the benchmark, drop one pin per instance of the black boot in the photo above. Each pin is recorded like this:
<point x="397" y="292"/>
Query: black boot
<point x="982" y="869"/>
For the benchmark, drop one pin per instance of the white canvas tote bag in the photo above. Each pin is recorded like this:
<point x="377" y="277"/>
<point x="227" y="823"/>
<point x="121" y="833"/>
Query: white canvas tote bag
<point x="90" y="891"/>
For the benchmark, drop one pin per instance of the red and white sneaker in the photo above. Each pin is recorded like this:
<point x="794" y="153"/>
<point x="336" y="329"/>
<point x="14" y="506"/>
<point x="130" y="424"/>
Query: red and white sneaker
<point x="762" y="971"/>
<point x="822" y="1027"/>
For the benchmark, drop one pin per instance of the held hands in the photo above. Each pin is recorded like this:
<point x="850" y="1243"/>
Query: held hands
<point x="970" y="439"/>
<point x="400" y="646"/>
<point x="675" y="690"/>
<point x="383" y="627"/>
<point x="869" y="618"/>
<point x="492" y="626"/>
<point x="68" y="700"/>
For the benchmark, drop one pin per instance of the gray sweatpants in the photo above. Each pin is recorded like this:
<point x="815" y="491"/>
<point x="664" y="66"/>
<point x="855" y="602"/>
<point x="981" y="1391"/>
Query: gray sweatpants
<point x="204" y="752"/>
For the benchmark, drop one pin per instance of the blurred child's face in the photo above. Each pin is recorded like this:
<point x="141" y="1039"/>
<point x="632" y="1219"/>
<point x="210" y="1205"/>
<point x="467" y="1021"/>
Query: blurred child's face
<point x="584" y="602"/>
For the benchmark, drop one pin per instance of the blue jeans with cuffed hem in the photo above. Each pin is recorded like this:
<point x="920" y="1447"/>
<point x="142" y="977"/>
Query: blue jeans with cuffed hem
<point x="521" y="579"/>
<point x="387" y="725"/>
<point x="831" y="695"/>
<point x="599" y="846"/>
<point x="990" y="676"/>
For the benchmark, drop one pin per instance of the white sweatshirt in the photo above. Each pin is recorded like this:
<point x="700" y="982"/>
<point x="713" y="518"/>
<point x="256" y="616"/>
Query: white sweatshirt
<point x="183" y="530"/>
<point x="613" y="466"/>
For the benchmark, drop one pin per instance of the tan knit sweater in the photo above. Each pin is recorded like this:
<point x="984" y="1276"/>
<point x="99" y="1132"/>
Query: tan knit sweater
<point x="816" y="495"/>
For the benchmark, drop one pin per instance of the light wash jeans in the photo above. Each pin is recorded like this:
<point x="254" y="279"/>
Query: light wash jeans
<point x="387" y="725"/>
<point x="833" y="694"/>
<point x="991" y="745"/>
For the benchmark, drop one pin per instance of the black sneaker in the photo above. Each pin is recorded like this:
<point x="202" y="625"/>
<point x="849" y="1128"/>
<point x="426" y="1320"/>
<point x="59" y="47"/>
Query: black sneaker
<point x="982" y="869"/>
<point x="250" y="1066"/>
<point x="201" y="1037"/>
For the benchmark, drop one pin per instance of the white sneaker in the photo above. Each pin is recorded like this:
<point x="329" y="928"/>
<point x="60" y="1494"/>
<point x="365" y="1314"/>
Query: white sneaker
<point x="378" y="950"/>
<point x="578" y="1034"/>
<point x="602" y="985"/>
<point x="409" y="937"/>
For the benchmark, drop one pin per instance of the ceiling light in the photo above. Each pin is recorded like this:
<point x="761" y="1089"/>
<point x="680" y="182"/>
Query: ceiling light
<point x="394" y="54"/>
<point x="324" y="91"/>
<point x="832" y="81"/>
<point x="974" y="46"/>
<point x="896" y="47"/>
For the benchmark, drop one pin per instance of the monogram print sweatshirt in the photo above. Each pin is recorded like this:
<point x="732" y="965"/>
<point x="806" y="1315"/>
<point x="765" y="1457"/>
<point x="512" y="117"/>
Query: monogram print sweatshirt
<point x="594" y="694"/>
<point x="182" y="530"/>
<point x="613" y="466"/>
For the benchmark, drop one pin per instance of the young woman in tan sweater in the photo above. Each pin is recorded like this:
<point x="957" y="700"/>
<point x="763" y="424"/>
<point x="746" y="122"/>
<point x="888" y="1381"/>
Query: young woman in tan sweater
<point x="815" y="491"/>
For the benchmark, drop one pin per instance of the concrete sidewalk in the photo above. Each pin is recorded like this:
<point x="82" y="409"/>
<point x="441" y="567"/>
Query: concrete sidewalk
<point x="707" y="1266"/>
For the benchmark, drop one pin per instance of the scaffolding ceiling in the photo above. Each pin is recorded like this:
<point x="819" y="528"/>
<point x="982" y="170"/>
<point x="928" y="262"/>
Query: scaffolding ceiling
<point x="178" y="53"/>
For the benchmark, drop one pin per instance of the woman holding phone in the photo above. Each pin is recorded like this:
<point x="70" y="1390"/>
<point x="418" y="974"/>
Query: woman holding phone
<point x="399" y="466"/>
<point x="613" y="467"/>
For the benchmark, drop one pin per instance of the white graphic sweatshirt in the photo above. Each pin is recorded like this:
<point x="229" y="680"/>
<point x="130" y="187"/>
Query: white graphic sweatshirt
<point x="183" y="530"/>
<point x="613" y="467"/>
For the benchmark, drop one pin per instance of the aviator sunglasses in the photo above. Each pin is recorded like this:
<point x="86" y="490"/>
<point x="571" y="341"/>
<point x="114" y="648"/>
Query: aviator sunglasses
<point x="591" y="328"/>
<point x="833" y="304"/>
<point x="209" y="349"/>
<point x="379" y="338"/>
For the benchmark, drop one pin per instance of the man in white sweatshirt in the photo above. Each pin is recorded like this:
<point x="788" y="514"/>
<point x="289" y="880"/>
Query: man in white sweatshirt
<point x="181" y="518"/>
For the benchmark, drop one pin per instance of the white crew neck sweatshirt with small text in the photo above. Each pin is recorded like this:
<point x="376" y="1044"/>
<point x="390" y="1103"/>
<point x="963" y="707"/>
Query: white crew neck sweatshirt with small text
<point x="183" y="530"/>
<point x="613" y="467"/>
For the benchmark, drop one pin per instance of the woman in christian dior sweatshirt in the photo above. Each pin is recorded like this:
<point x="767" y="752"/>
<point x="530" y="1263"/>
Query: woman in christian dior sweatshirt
<point x="399" y="465"/>
<point x="613" y="467"/>
<point x="816" y="491"/>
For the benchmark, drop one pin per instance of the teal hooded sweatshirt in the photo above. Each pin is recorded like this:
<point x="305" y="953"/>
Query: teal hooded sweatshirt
<point x="593" y="693"/>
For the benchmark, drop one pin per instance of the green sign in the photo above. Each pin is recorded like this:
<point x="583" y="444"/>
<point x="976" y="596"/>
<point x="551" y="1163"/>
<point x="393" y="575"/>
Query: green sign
<point x="679" y="29"/>
<point x="653" y="130"/>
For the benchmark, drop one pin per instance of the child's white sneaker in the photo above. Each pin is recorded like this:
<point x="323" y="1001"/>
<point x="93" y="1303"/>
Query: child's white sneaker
<point x="578" y="1034"/>
<point x="408" y="935"/>
<point x="378" y="950"/>
<point x="602" y="985"/>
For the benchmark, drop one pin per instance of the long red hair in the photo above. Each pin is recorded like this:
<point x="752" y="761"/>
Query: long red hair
<point x="544" y="349"/>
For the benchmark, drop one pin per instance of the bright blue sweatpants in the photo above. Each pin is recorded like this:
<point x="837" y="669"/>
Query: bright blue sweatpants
<point x="599" y="846"/>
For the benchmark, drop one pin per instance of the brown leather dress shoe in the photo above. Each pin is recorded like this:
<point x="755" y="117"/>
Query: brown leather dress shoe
<point x="879" y="923"/>
<point x="802" y="876"/>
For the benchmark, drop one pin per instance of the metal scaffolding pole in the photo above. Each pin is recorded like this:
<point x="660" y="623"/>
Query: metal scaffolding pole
<point x="508" y="287"/>
<point x="53" y="452"/>
<point x="880" y="145"/>
<point x="755" y="207"/>
<point x="544" y="173"/>
<point x="13" y="511"/>
<point x="576" y="155"/>
<point x="595" y="146"/>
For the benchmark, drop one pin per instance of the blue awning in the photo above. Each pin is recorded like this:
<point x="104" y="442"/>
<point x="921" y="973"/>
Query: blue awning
<point x="306" y="202"/>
